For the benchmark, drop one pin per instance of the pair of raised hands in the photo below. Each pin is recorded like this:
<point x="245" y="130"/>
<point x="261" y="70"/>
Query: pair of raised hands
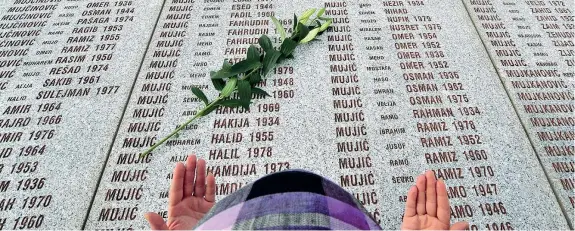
<point x="192" y="194"/>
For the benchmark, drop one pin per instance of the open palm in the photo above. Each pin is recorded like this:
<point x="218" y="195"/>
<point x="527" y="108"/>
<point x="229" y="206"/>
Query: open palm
<point x="189" y="197"/>
<point x="427" y="206"/>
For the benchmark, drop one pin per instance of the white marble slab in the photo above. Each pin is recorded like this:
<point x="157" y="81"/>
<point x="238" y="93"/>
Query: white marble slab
<point x="61" y="103"/>
<point x="395" y="140"/>
<point x="531" y="45"/>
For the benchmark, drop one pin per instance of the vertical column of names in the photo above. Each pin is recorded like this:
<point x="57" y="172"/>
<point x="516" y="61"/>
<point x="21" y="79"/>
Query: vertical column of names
<point x="531" y="45"/>
<point x="389" y="138"/>
<point x="197" y="22"/>
<point x="444" y="114"/>
<point x="556" y="21"/>
<point x="244" y="144"/>
<point x="22" y="157"/>
<point x="451" y="128"/>
<point x="391" y="146"/>
<point x="233" y="127"/>
<point x="351" y="146"/>
<point x="70" y="82"/>
<point x="554" y="128"/>
<point x="118" y="200"/>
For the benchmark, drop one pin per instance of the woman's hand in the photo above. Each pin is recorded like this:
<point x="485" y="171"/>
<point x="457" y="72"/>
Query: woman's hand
<point x="427" y="206"/>
<point x="189" y="198"/>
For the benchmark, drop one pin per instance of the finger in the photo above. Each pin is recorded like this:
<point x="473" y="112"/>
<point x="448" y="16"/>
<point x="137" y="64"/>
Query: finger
<point x="443" y="212"/>
<point x="200" y="184"/>
<point x="420" y="183"/>
<point x="156" y="222"/>
<point x="462" y="225"/>
<point x="211" y="188"/>
<point x="176" y="188"/>
<point x="410" y="209"/>
<point x="430" y="194"/>
<point x="190" y="174"/>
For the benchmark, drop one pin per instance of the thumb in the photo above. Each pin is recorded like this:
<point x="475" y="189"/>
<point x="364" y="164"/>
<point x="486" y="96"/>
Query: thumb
<point x="156" y="221"/>
<point x="462" y="225"/>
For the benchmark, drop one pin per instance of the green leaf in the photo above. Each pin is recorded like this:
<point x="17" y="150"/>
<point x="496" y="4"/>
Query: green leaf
<point x="240" y="67"/>
<point x="326" y="25"/>
<point x="230" y="103"/>
<point x="230" y="87"/>
<point x="259" y="91"/>
<point x="310" y="36"/>
<point x="255" y="78"/>
<point x="218" y="84"/>
<point x="253" y="53"/>
<point x="288" y="46"/>
<point x="270" y="60"/>
<point x="262" y="57"/>
<point x="222" y="73"/>
<point x="245" y="92"/>
<point x="320" y="12"/>
<point x="279" y="27"/>
<point x="200" y="94"/>
<point x="294" y="24"/>
<point x="245" y="65"/>
<point x="265" y="43"/>
<point x="302" y="31"/>
<point x="226" y="64"/>
<point x="306" y="14"/>
<point x="209" y="110"/>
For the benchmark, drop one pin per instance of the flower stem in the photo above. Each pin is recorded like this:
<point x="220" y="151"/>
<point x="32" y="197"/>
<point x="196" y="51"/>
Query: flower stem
<point x="251" y="72"/>
<point x="198" y="115"/>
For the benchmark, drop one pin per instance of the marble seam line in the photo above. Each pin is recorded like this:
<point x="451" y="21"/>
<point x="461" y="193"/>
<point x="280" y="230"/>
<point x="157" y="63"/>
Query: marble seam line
<point x="87" y="216"/>
<point x="516" y="110"/>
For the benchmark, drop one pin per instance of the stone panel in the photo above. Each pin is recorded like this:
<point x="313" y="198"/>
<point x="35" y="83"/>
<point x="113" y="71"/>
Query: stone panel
<point x="531" y="45"/>
<point x="66" y="71"/>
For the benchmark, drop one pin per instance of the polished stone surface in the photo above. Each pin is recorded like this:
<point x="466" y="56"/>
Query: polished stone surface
<point x="531" y="45"/>
<point x="392" y="89"/>
<point x="66" y="72"/>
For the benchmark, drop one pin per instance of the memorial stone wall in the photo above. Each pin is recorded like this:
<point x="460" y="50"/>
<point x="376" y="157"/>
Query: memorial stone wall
<point x="478" y="91"/>
<point x="531" y="45"/>
<point x="67" y="68"/>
